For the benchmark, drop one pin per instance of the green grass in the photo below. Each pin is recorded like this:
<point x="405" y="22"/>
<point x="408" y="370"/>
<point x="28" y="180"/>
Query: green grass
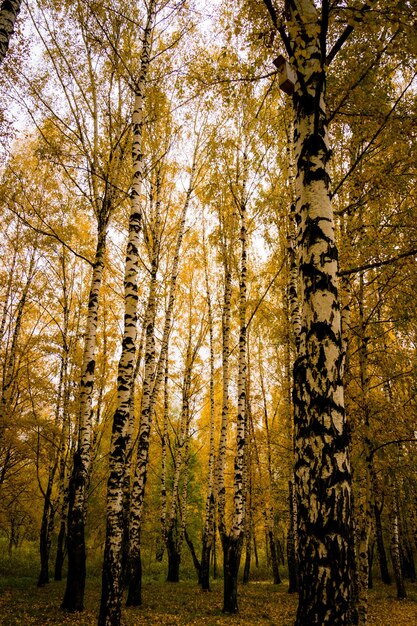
<point x="23" y="604"/>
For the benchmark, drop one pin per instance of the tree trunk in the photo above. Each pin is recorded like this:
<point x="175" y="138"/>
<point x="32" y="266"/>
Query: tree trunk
<point x="60" y="550"/>
<point x="395" y="553"/>
<point x="380" y="546"/>
<point x="149" y="397"/>
<point x="209" y="525"/>
<point x="274" y="558"/>
<point x="46" y="532"/>
<point x="174" y="557"/>
<point x="371" y="551"/>
<point x="231" y="561"/>
<point x="255" y="547"/>
<point x="214" y="554"/>
<point x="221" y="456"/>
<point x="204" y="578"/>
<point x="409" y="567"/>
<point x="74" y="592"/>
<point x="9" y="10"/>
<point x="248" y="551"/>
<point x="292" y="559"/>
<point x="112" y="579"/>
<point x="232" y="543"/>
<point x="176" y="530"/>
<point x="196" y="562"/>
<point x="322" y="465"/>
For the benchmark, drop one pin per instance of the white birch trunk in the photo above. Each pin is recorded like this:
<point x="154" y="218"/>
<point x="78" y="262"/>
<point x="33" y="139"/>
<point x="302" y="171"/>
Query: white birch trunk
<point x="74" y="593"/>
<point x="322" y="465"/>
<point x="232" y="543"/>
<point x="208" y="534"/>
<point x="9" y="10"/>
<point x="221" y="457"/>
<point x="147" y="411"/>
<point x="112" y="587"/>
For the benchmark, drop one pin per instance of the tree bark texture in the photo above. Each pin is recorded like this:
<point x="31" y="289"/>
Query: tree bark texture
<point x="209" y="525"/>
<point x="221" y="456"/>
<point x="322" y="465"/>
<point x="232" y="550"/>
<point x="380" y="545"/>
<point x="176" y="523"/>
<point x="149" y="397"/>
<point x="363" y="514"/>
<point x="395" y="551"/>
<point x="112" y="582"/>
<point x="74" y="593"/>
<point x="9" y="10"/>
<point x="233" y="541"/>
<point x="174" y="555"/>
<point x="47" y="526"/>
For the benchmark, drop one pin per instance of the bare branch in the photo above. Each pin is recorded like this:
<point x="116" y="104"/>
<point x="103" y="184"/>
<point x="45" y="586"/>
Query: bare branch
<point x="370" y="266"/>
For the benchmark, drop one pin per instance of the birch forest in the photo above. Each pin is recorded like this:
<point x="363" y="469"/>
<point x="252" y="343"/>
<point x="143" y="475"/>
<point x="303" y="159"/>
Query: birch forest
<point x="208" y="312"/>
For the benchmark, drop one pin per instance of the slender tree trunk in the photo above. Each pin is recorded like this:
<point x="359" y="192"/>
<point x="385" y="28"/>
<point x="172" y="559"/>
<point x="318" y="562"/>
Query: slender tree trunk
<point x="291" y="543"/>
<point x="196" y="562"/>
<point x="64" y="444"/>
<point x="62" y="500"/>
<point x="74" y="593"/>
<point x="268" y="512"/>
<point x="221" y="457"/>
<point x="248" y="549"/>
<point x="255" y="545"/>
<point x="232" y="544"/>
<point x="46" y="529"/>
<point x="363" y="500"/>
<point x="9" y="10"/>
<point x="395" y="552"/>
<point x="209" y="526"/>
<point x="214" y="553"/>
<point x="273" y="557"/>
<point x="149" y="397"/>
<point x="380" y="545"/>
<point x="371" y="552"/>
<point x="164" y="443"/>
<point x="174" y="555"/>
<point x="322" y="465"/>
<point x="176" y="527"/>
<point x="60" y="550"/>
<point x="112" y="580"/>
<point x="127" y="470"/>
<point x="61" y="420"/>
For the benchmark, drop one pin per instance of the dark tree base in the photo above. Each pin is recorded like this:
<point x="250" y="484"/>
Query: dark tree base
<point x="232" y="549"/>
<point x="134" y="592"/>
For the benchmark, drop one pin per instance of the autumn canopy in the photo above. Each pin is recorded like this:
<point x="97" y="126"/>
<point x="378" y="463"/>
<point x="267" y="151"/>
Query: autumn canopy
<point x="208" y="320"/>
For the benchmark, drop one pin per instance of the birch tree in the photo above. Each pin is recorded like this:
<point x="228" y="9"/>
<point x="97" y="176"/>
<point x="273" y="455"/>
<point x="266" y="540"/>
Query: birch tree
<point x="322" y="464"/>
<point x="154" y="376"/>
<point x="99" y="141"/>
<point x="110" y="608"/>
<point x="210" y="511"/>
<point x="9" y="10"/>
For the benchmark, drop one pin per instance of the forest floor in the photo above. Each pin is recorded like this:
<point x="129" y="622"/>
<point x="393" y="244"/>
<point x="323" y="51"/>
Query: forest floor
<point x="23" y="604"/>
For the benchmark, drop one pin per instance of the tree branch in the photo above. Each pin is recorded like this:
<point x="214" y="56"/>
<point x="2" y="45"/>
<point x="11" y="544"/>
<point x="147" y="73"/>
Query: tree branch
<point x="376" y="135"/>
<point x="389" y="443"/>
<point x="347" y="32"/>
<point x="51" y="234"/>
<point x="370" y="266"/>
<point x="278" y="26"/>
